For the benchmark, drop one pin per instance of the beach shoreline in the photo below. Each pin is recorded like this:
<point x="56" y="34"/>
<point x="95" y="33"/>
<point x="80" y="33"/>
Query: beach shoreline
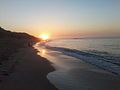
<point x="28" y="72"/>
<point x="74" y="74"/>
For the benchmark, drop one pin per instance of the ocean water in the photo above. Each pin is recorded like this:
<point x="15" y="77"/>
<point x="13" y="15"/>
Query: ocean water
<point x="104" y="53"/>
<point x="83" y="64"/>
<point x="97" y="46"/>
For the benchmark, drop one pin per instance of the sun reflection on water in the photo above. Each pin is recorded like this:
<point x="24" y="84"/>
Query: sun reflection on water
<point x="43" y="51"/>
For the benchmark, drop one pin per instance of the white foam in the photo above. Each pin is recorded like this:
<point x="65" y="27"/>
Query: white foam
<point x="89" y="58"/>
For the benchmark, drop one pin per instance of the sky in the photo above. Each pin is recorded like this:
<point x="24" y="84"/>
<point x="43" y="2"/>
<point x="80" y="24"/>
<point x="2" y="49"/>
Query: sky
<point x="62" y="18"/>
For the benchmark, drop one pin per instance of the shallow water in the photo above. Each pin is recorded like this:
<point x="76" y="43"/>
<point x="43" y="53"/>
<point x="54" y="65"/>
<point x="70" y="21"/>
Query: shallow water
<point x="74" y="74"/>
<point x="103" y="53"/>
<point x="98" y="46"/>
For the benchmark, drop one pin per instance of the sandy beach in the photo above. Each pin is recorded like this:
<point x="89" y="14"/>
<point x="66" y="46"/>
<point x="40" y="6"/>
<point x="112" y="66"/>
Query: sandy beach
<point x="29" y="73"/>
<point x="75" y="74"/>
<point x="25" y="66"/>
<point x="59" y="44"/>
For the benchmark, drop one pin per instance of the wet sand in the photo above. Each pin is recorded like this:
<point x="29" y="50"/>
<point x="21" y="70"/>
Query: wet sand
<point x="29" y="73"/>
<point x="75" y="74"/>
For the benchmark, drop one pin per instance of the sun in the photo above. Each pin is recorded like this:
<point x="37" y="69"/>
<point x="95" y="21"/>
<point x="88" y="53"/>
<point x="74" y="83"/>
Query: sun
<point x="44" y="36"/>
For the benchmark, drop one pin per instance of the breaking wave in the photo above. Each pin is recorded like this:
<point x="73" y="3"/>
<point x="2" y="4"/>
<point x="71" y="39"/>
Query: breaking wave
<point x="109" y="63"/>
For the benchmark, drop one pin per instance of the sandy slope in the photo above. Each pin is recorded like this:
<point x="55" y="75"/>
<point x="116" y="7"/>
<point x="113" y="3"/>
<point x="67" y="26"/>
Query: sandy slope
<point x="30" y="72"/>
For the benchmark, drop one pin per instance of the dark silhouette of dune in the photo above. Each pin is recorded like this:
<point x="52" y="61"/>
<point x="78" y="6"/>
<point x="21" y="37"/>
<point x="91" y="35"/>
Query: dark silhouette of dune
<point x="34" y="67"/>
<point x="10" y="42"/>
<point x="8" y="34"/>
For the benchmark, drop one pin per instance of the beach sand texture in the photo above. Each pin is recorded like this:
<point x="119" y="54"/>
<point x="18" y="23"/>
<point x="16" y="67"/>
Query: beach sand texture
<point x="29" y="73"/>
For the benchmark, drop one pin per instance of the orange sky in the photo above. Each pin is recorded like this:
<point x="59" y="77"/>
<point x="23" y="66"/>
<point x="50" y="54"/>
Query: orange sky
<point x="62" y="18"/>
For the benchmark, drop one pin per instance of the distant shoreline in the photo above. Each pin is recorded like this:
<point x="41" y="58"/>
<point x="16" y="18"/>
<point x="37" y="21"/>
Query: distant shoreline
<point x="93" y="38"/>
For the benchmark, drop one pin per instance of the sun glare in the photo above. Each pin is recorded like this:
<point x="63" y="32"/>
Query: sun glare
<point x="44" y="36"/>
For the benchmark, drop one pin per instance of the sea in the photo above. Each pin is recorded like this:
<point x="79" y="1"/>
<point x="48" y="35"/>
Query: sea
<point x="83" y="64"/>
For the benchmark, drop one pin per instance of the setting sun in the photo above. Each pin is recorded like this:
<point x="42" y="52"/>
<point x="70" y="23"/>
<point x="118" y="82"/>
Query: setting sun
<point x="44" y="36"/>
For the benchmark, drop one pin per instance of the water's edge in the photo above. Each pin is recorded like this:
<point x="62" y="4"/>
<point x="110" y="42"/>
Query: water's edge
<point x="93" y="59"/>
